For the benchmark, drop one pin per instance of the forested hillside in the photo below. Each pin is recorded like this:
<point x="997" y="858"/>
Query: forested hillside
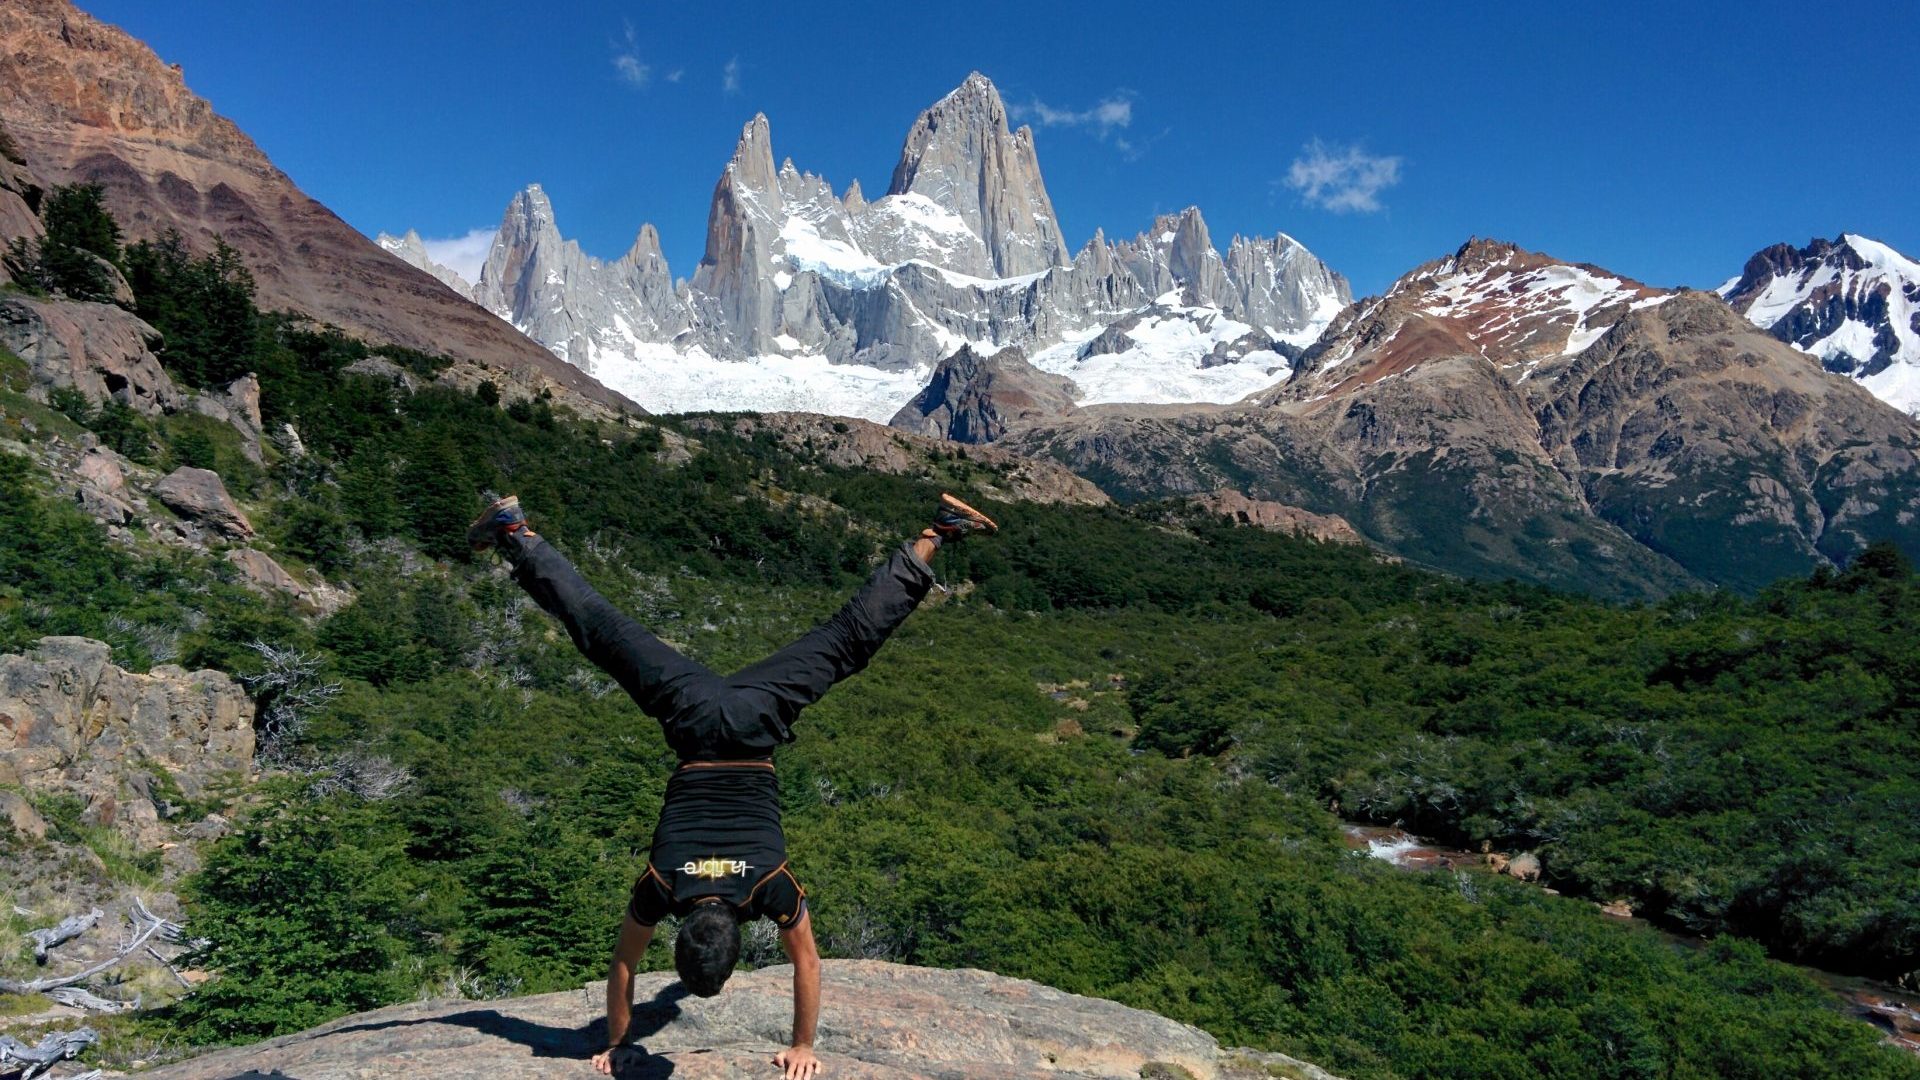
<point x="1104" y="757"/>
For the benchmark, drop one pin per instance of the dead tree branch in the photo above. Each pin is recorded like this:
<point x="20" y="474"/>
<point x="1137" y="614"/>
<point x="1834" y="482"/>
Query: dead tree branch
<point x="145" y="925"/>
<point x="54" y="1048"/>
<point x="66" y="930"/>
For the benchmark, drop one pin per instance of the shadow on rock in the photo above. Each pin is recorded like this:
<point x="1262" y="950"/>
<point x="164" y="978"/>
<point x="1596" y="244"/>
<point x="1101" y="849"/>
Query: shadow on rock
<point x="631" y="1062"/>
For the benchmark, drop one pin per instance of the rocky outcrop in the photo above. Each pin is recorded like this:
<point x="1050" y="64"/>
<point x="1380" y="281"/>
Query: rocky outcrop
<point x="974" y="398"/>
<point x="198" y="495"/>
<point x="862" y="444"/>
<point x="101" y="350"/>
<point x="1278" y="517"/>
<point x="87" y="103"/>
<point x="72" y="722"/>
<point x="238" y="406"/>
<point x="878" y="1021"/>
<point x="259" y="571"/>
<point x="17" y="217"/>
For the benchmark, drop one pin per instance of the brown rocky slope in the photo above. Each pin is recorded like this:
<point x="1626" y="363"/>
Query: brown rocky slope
<point x="878" y="1021"/>
<point x="86" y="102"/>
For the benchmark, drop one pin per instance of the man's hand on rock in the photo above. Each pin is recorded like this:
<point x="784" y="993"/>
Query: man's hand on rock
<point x="799" y="1063"/>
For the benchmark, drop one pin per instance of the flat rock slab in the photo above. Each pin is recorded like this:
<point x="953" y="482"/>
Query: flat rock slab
<point x="878" y="1022"/>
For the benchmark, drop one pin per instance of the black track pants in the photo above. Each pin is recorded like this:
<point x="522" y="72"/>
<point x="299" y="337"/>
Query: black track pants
<point x="707" y="716"/>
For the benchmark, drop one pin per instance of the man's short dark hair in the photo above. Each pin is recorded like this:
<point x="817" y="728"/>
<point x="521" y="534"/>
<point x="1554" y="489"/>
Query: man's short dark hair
<point x="707" y="947"/>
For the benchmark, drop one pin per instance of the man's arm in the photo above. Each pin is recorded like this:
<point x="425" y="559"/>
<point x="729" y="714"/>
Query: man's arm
<point x="626" y="956"/>
<point x="799" y="1062"/>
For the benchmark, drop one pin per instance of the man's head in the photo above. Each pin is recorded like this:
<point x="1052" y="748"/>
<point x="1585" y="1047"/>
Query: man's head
<point x="707" y="947"/>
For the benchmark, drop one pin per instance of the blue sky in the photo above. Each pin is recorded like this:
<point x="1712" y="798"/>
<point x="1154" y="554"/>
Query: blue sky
<point x="1664" y="141"/>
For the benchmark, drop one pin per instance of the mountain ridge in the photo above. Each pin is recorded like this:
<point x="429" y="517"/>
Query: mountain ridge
<point x="88" y="103"/>
<point x="801" y="294"/>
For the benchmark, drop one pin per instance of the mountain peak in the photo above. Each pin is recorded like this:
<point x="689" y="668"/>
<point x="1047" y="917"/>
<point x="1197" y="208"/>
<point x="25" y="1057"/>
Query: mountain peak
<point x="960" y="154"/>
<point x="1852" y="302"/>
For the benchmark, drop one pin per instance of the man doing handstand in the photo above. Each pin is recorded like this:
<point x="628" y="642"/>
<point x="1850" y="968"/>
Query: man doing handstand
<point x="719" y="856"/>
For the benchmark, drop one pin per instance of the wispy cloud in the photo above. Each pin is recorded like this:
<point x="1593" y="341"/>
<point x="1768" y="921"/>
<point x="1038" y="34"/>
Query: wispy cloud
<point x="464" y="255"/>
<point x="1343" y="179"/>
<point x="1110" y="114"/>
<point x="627" y="63"/>
<point x="676" y="75"/>
<point x="730" y="77"/>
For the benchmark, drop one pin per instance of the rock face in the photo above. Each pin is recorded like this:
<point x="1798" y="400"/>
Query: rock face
<point x="70" y="721"/>
<point x="101" y="350"/>
<point x="960" y="156"/>
<point x="1279" y="517"/>
<point x="1852" y="302"/>
<point x="973" y="398"/>
<point x="1501" y="413"/>
<point x="878" y="1022"/>
<point x="85" y="102"/>
<point x="862" y="297"/>
<point x="198" y="495"/>
<point x="259" y="571"/>
<point x="862" y="444"/>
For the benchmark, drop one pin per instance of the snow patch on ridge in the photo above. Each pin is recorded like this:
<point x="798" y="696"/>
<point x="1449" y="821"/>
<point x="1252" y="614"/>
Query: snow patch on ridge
<point x="1852" y="345"/>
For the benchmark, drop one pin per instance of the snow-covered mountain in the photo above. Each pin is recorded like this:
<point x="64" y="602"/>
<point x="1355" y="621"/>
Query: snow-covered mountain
<point x="1515" y="309"/>
<point x="1852" y="302"/>
<point x="808" y="300"/>
<point x="412" y="250"/>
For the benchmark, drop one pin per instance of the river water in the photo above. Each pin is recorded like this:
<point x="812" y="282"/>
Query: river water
<point x="1894" y="1011"/>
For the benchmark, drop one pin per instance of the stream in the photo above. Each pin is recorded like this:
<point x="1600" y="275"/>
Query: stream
<point x="1891" y="1009"/>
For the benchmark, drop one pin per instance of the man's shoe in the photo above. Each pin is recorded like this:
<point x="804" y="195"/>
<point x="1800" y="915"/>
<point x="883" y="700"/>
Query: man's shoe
<point x="954" y="520"/>
<point x="496" y="522"/>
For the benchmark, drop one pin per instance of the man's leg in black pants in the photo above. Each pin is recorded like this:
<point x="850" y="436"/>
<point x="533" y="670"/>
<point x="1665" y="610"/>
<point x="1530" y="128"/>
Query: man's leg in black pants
<point x="666" y="685"/>
<point x="761" y="702"/>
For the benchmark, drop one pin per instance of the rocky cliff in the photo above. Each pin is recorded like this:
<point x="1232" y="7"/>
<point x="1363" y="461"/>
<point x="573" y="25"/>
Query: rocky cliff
<point x="85" y="102"/>
<point x="878" y="1022"/>
<point x="71" y="722"/>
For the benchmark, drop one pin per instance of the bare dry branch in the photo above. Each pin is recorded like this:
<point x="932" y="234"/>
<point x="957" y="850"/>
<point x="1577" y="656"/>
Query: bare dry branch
<point x="66" y="930"/>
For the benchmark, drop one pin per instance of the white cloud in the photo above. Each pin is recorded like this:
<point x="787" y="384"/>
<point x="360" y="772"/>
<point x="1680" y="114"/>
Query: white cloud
<point x="1343" y="179"/>
<point x="464" y="255"/>
<point x="631" y="69"/>
<point x="626" y="61"/>
<point x="676" y="75"/>
<point x="1107" y="116"/>
<point x="730" y="77"/>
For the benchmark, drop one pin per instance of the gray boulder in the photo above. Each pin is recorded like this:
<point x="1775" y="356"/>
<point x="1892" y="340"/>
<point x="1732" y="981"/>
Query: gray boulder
<point x="99" y="349"/>
<point x="260" y="572"/>
<point x="198" y="495"/>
